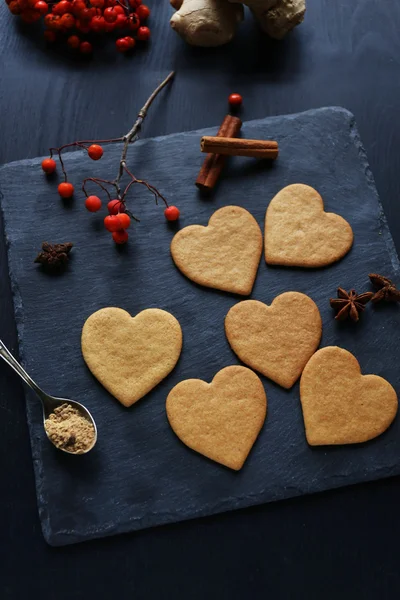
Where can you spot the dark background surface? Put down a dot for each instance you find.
(338, 544)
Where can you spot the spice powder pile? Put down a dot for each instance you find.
(69, 430)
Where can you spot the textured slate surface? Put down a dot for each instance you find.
(140, 475)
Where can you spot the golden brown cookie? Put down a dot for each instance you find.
(224, 255)
(221, 419)
(341, 406)
(298, 233)
(276, 340)
(131, 355)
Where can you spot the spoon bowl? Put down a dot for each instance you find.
(50, 403)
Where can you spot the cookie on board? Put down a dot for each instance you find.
(221, 419)
(131, 355)
(224, 255)
(298, 233)
(340, 405)
(276, 340)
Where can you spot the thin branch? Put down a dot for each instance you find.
(97, 181)
(128, 212)
(131, 135)
(126, 8)
(61, 163)
(150, 187)
(83, 142)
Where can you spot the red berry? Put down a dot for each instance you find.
(15, 8)
(66, 190)
(172, 213)
(67, 21)
(52, 21)
(73, 41)
(95, 152)
(97, 24)
(86, 48)
(133, 22)
(49, 36)
(87, 14)
(77, 7)
(115, 207)
(143, 34)
(62, 8)
(110, 15)
(143, 12)
(122, 44)
(42, 7)
(135, 3)
(121, 21)
(49, 165)
(120, 237)
(235, 99)
(93, 203)
(119, 10)
(111, 223)
(97, 3)
(124, 220)
(130, 41)
(56, 23)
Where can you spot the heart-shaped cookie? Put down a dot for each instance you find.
(221, 419)
(298, 233)
(275, 340)
(131, 355)
(341, 406)
(224, 255)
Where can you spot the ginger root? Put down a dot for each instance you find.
(214, 22)
(281, 18)
(206, 22)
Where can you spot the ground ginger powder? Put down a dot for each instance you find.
(69, 429)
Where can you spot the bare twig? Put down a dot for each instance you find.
(98, 182)
(131, 135)
(150, 187)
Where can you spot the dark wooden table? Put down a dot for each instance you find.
(340, 544)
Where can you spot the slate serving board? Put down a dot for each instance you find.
(140, 474)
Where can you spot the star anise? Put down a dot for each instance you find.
(386, 289)
(350, 304)
(54, 256)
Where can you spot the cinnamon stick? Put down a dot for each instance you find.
(213, 163)
(239, 147)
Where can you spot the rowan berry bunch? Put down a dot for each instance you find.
(71, 20)
(119, 218)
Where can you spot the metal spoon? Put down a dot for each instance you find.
(49, 403)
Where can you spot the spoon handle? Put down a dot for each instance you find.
(6, 355)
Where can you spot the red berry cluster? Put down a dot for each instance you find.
(119, 218)
(117, 222)
(74, 18)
